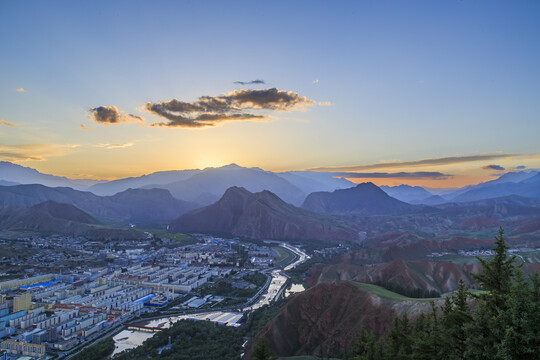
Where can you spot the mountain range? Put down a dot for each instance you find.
(62, 219)
(202, 187)
(206, 186)
(139, 206)
(522, 183)
(363, 199)
(13, 174)
(261, 215)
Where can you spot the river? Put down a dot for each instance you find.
(129, 339)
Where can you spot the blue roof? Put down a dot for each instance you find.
(146, 298)
(43, 284)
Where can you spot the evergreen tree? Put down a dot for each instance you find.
(426, 339)
(521, 339)
(490, 320)
(262, 351)
(455, 317)
(496, 276)
(367, 347)
(505, 324)
(399, 344)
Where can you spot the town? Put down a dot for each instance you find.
(68, 291)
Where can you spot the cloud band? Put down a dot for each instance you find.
(235, 105)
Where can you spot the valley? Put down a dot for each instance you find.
(360, 258)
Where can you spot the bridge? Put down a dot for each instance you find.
(142, 328)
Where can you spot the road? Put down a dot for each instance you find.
(273, 288)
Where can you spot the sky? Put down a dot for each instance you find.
(431, 93)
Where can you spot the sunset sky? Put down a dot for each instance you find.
(433, 93)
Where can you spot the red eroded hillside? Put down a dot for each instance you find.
(417, 274)
(531, 226)
(478, 223)
(327, 319)
(410, 246)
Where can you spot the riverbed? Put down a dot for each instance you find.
(129, 339)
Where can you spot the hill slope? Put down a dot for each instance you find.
(154, 206)
(364, 199)
(47, 216)
(327, 319)
(261, 215)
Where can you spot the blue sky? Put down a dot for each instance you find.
(387, 81)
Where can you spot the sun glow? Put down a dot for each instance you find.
(206, 161)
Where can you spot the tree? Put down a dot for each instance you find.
(426, 342)
(262, 351)
(455, 317)
(367, 347)
(496, 276)
(521, 338)
(399, 339)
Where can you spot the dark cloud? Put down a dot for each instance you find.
(493, 167)
(435, 175)
(236, 105)
(109, 115)
(521, 167)
(252, 82)
(397, 164)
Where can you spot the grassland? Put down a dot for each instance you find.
(285, 256)
(382, 292)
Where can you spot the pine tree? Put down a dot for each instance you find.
(481, 340)
(456, 316)
(490, 320)
(521, 339)
(399, 343)
(426, 342)
(367, 347)
(262, 351)
(496, 276)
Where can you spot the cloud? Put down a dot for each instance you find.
(6, 123)
(20, 90)
(115, 146)
(33, 152)
(435, 175)
(252, 82)
(493, 167)
(109, 115)
(325, 103)
(398, 164)
(235, 105)
(84, 127)
(520, 167)
(13, 156)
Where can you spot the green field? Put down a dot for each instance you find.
(285, 256)
(382, 292)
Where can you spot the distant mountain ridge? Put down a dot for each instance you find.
(210, 184)
(151, 180)
(527, 187)
(363, 199)
(11, 174)
(261, 215)
(206, 186)
(407, 193)
(154, 206)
